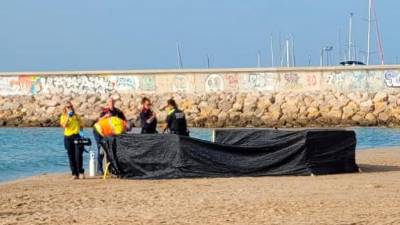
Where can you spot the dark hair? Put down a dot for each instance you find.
(172, 103)
(145, 99)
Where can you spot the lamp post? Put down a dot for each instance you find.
(326, 50)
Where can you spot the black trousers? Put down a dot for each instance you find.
(75, 155)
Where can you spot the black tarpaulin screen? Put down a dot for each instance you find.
(252, 153)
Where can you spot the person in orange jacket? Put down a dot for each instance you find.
(108, 111)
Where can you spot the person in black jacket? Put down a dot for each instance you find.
(108, 111)
(176, 119)
(148, 118)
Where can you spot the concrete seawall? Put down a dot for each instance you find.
(300, 97)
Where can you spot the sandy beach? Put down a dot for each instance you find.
(371, 197)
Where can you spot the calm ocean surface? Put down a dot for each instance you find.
(31, 151)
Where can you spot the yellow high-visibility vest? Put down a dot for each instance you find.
(72, 124)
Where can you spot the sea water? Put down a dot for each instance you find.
(32, 151)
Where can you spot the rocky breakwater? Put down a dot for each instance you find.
(307, 109)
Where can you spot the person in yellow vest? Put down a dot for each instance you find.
(72, 126)
(176, 119)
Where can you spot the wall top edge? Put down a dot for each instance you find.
(214, 70)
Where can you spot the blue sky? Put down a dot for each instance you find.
(43, 35)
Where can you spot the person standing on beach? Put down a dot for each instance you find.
(176, 119)
(148, 118)
(108, 111)
(72, 126)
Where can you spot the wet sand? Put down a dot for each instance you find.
(370, 197)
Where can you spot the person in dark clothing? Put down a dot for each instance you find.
(176, 119)
(108, 111)
(111, 110)
(148, 118)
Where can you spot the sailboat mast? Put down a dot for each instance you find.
(281, 50)
(340, 45)
(272, 50)
(350, 36)
(381, 54)
(178, 56)
(292, 50)
(287, 53)
(369, 31)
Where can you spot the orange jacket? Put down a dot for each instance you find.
(110, 126)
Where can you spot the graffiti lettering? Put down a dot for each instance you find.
(26, 84)
(261, 81)
(149, 83)
(392, 79)
(358, 80)
(336, 80)
(214, 83)
(291, 78)
(77, 84)
(5, 86)
(311, 80)
(179, 84)
(124, 83)
(232, 81)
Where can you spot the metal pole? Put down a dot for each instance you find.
(272, 50)
(381, 54)
(369, 31)
(287, 53)
(327, 58)
(258, 59)
(355, 53)
(350, 36)
(293, 55)
(178, 55)
(208, 61)
(340, 45)
(321, 59)
(281, 50)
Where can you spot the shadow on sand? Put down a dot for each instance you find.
(367, 168)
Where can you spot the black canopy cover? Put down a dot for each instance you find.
(245, 152)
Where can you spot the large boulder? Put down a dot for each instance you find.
(225, 105)
(349, 110)
(335, 115)
(263, 103)
(52, 103)
(250, 103)
(313, 113)
(383, 118)
(10, 106)
(367, 106)
(380, 97)
(370, 119)
(380, 107)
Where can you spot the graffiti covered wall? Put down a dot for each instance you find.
(199, 81)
